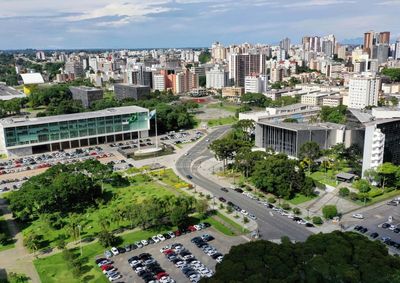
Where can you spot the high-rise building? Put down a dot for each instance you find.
(364, 91)
(217, 77)
(124, 91)
(382, 53)
(384, 37)
(74, 68)
(342, 52)
(218, 52)
(285, 44)
(369, 41)
(40, 55)
(87, 95)
(327, 48)
(242, 65)
(397, 50)
(159, 82)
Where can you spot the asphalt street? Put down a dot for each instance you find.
(272, 226)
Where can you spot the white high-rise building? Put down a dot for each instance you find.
(364, 91)
(255, 84)
(159, 82)
(397, 50)
(374, 148)
(217, 77)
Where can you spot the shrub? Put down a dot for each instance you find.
(229, 209)
(344, 192)
(272, 200)
(286, 206)
(329, 211)
(107, 239)
(317, 220)
(375, 193)
(296, 211)
(245, 220)
(353, 196)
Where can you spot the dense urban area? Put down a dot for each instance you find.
(237, 163)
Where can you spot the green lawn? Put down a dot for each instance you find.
(141, 189)
(232, 223)
(299, 198)
(168, 177)
(222, 121)
(227, 107)
(385, 196)
(324, 178)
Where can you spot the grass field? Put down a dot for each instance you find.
(299, 198)
(232, 223)
(222, 121)
(324, 178)
(141, 189)
(168, 177)
(227, 107)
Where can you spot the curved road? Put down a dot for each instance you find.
(272, 225)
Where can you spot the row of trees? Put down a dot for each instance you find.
(333, 114)
(260, 100)
(334, 257)
(62, 189)
(7, 69)
(392, 73)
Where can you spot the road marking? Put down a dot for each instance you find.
(270, 213)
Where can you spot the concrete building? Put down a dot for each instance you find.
(31, 81)
(217, 77)
(87, 95)
(26, 136)
(332, 101)
(289, 137)
(232, 93)
(314, 98)
(364, 91)
(242, 65)
(255, 84)
(74, 68)
(284, 44)
(159, 82)
(8, 93)
(397, 49)
(123, 91)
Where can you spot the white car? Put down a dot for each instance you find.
(171, 234)
(290, 216)
(219, 259)
(144, 242)
(358, 216)
(244, 212)
(139, 245)
(197, 227)
(115, 277)
(392, 227)
(155, 239)
(139, 269)
(302, 222)
(161, 237)
(284, 213)
(115, 251)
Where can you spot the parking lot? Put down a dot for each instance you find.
(221, 242)
(373, 220)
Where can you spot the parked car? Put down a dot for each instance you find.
(358, 216)
(374, 235)
(115, 251)
(224, 190)
(221, 199)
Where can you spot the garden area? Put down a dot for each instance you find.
(222, 121)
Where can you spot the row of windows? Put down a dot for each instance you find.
(74, 129)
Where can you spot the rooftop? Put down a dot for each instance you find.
(87, 88)
(302, 126)
(32, 78)
(7, 92)
(23, 121)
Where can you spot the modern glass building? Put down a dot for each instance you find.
(24, 136)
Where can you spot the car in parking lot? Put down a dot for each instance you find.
(374, 235)
(161, 237)
(115, 251)
(155, 239)
(224, 190)
(239, 190)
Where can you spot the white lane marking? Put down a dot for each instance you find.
(270, 213)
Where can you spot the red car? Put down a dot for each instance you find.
(177, 233)
(161, 274)
(191, 228)
(167, 252)
(106, 267)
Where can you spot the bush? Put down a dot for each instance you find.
(375, 193)
(272, 200)
(344, 192)
(285, 206)
(353, 196)
(317, 220)
(107, 239)
(296, 211)
(329, 211)
(3, 239)
(245, 220)
(229, 209)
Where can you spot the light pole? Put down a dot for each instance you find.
(80, 239)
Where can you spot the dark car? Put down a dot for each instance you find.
(121, 250)
(363, 230)
(217, 255)
(374, 235)
(189, 177)
(308, 224)
(224, 190)
(150, 240)
(230, 203)
(238, 190)
(100, 260)
(396, 230)
(385, 225)
(358, 227)
(221, 199)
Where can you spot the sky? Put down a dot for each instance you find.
(69, 24)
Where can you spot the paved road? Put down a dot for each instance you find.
(271, 225)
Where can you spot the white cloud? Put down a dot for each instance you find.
(316, 3)
(389, 3)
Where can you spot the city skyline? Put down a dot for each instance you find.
(46, 24)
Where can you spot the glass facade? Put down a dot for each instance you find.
(74, 129)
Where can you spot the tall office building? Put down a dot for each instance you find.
(285, 44)
(159, 82)
(369, 41)
(328, 48)
(75, 68)
(364, 91)
(384, 37)
(397, 50)
(382, 53)
(217, 77)
(255, 84)
(242, 65)
(218, 51)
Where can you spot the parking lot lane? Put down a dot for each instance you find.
(221, 242)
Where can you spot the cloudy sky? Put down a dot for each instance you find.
(48, 24)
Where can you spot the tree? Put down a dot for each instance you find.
(344, 192)
(362, 186)
(32, 241)
(309, 152)
(205, 57)
(329, 211)
(3, 239)
(317, 220)
(18, 278)
(106, 238)
(387, 171)
(334, 114)
(392, 73)
(328, 258)
(202, 207)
